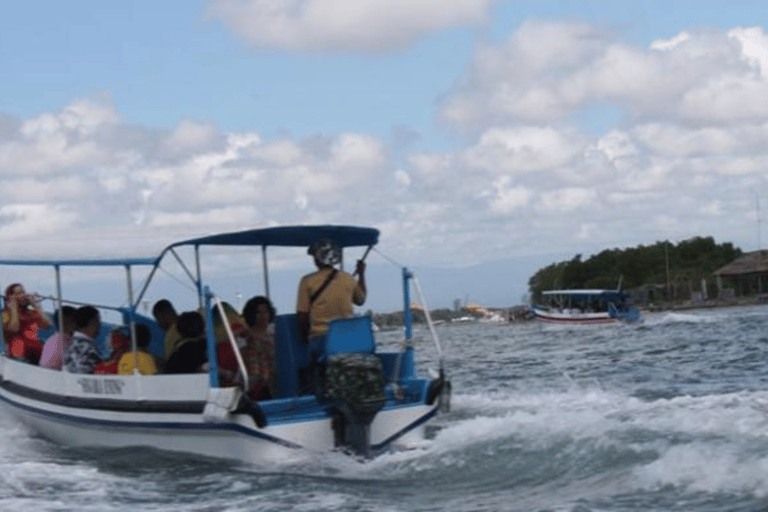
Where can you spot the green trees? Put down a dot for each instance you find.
(662, 263)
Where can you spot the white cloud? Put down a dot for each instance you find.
(669, 44)
(685, 161)
(617, 146)
(547, 72)
(344, 25)
(678, 141)
(568, 200)
(75, 169)
(402, 178)
(190, 135)
(507, 197)
(754, 47)
(21, 219)
(222, 216)
(83, 117)
(357, 153)
(726, 99)
(515, 150)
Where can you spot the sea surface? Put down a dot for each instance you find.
(669, 415)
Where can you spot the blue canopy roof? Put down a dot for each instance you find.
(75, 262)
(291, 236)
(286, 236)
(586, 293)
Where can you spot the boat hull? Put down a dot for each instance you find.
(95, 415)
(568, 318)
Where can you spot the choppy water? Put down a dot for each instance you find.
(671, 415)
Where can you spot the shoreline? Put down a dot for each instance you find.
(761, 300)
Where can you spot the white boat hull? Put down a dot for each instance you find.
(29, 393)
(571, 318)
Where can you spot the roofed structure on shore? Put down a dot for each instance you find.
(748, 263)
(748, 272)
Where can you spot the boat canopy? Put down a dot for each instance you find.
(291, 236)
(285, 236)
(82, 262)
(586, 292)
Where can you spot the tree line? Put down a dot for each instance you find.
(663, 263)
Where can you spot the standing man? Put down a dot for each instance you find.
(326, 294)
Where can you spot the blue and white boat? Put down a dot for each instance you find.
(193, 412)
(585, 307)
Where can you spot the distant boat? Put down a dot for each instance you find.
(486, 315)
(591, 306)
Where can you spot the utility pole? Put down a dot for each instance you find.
(666, 258)
(757, 209)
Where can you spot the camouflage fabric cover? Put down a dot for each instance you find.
(354, 377)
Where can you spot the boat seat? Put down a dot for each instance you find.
(350, 335)
(290, 355)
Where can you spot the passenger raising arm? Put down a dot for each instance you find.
(22, 319)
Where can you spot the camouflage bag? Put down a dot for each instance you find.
(355, 378)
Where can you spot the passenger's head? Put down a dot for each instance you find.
(11, 289)
(190, 325)
(68, 314)
(87, 320)
(143, 336)
(326, 252)
(164, 313)
(120, 341)
(256, 308)
(16, 290)
(228, 310)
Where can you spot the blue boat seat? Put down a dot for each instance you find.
(291, 354)
(350, 335)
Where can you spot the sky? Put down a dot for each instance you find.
(485, 139)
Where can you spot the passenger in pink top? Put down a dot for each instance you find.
(53, 349)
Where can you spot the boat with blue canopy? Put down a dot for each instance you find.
(585, 306)
(196, 412)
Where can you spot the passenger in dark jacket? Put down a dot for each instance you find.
(191, 352)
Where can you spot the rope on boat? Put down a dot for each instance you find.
(388, 258)
(182, 282)
(77, 303)
(431, 326)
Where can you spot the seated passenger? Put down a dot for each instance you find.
(22, 318)
(191, 351)
(259, 350)
(120, 342)
(165, 315)
(81, 356)
(225, 355)
(143, 362)
(53, 348)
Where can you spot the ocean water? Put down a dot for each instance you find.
(670, 415)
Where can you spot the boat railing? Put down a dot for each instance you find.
(230, 338)
(407, 344)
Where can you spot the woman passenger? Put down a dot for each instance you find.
(259, 350)
(22, 319)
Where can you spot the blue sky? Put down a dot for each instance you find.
(476, 134)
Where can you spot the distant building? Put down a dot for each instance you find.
(746, 275)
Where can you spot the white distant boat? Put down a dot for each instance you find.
(486, 315)
(195, 413)
(588, 306)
